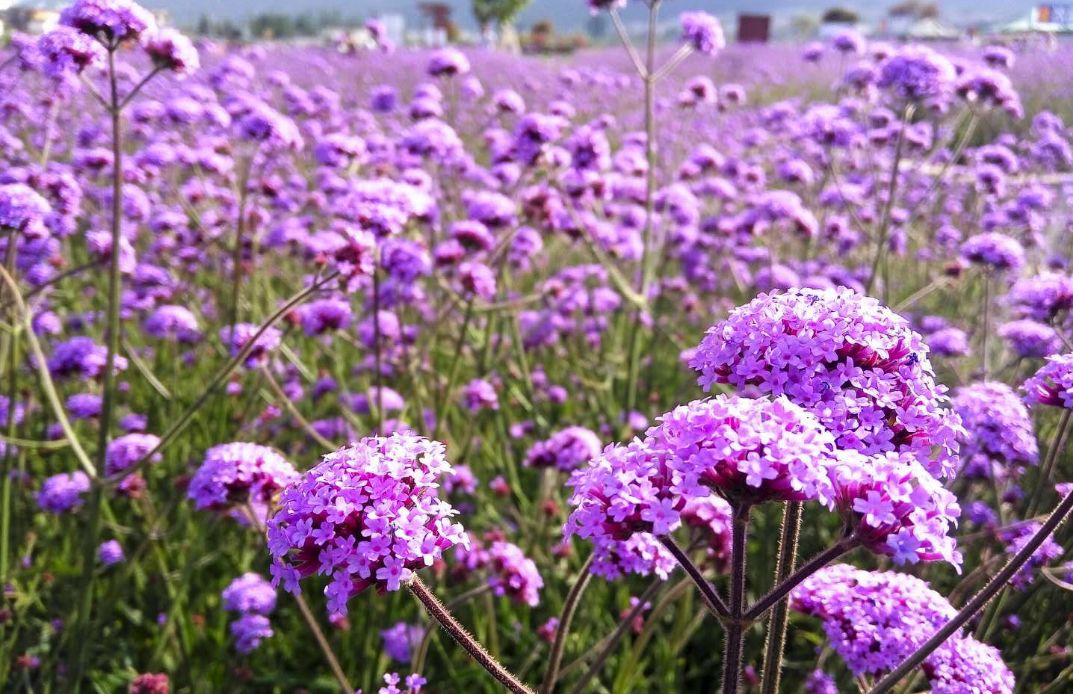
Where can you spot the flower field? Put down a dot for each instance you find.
(669, 367)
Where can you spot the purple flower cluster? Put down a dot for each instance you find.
(874, 620)
(114, 20)
(565, 450)
(23, 210)
(897, 508)
(917, 73)
(747, 450)
(110, 553)
(401, 640)
(1052, 384)
(63, 492)
(254, 599)
(703, 32)
(998, 429)
(125, 451)
(1016, 538)
(513, 574)
(854, 364)
(367, 514)
(171, 50)
(233, 474)
(244, 332)
(994, 251)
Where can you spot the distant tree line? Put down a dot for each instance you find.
(275, 25)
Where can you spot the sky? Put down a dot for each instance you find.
(572, 14)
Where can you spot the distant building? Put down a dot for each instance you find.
(754, 28)
(1042, 19)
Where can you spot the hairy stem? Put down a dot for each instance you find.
(784, 567)
(761, 606)
(708, 593)
(734, 654)
(476, 651)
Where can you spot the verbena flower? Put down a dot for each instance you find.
(23, 210)
(565, 450)
(367, 514)
(1016, 538)
(249, 593)
(998, 428)
(1052, 384)
(874, 620)
(171, 50)
(513, 574)
(994, 251)
(115, 20)
(448, 62)
(1030, 339)
(401, 640)
(124, 451)
(63, 492)
(266, 342)
(896, 507)
(110, 553)
(917, 73)
(854, 364)
(748, 450)
(703, 32)
(233, 474)
(249, 630)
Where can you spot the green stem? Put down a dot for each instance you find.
(776, 633)
(566, 617)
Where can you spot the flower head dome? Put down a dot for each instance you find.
(367, 515)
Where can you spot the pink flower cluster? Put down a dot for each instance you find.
(873, 620)
(853, 363)
(236, 473)
(366, 515)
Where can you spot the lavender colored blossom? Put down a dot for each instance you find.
(703, 32)
(23, 210)
(113, 20)
(513, 574)
(81, 356)
(67, 52)
(998, 428)
(401, 640)
(747, 450)
(266, 342)
(110, 553)
(1016, 538)
(367, 514)
(127, 450)
(233, 474)
(917, 73)
(249, 630)
(1030, 339)
(448, 62)
(479, 395)
(172, 322)
(1052, 384)
(565, 450)
(63, 492)
(249, 594)
(994, 251)
(873, 620)
(854, 364)
(171, 50)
